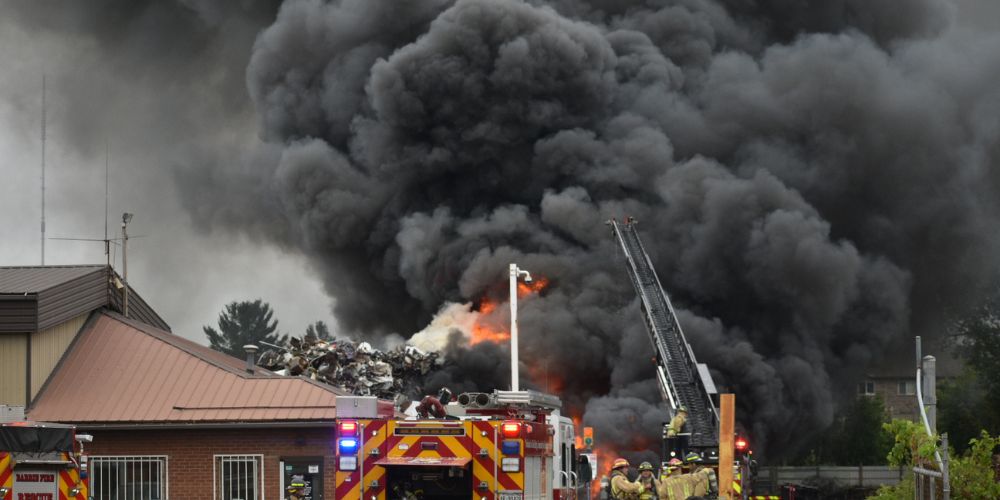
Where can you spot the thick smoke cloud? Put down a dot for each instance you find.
(814, 181)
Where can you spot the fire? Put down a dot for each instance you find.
(525, 289)
(483, 333)
(488, 327)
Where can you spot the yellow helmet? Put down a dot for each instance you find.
(618, 463)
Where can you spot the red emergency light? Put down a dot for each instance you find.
(511, 429)
(349, 428)
(741, 444)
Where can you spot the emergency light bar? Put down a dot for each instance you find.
(511, 429)
(348, 446)
(349, 428)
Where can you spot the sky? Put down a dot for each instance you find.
(100, 101)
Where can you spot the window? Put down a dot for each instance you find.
(866, 388)
(128, 477)
(907, 388)
(239, 477)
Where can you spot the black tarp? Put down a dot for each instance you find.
(36, 437)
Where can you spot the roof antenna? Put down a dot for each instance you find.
(43, 168)
(107, 195)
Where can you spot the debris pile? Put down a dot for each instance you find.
(397, 374)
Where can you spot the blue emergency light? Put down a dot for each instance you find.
(510, 447)
(348, 446)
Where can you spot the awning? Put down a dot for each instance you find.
(425, 461)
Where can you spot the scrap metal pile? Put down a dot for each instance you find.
(360, 369)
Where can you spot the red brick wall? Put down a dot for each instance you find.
(191, 453)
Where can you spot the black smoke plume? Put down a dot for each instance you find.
(816, 181)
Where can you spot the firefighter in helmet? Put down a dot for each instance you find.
(692, 462)
(294, 491)
(672, 469)
(621, 487)
(648, 481)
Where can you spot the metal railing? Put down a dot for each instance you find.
(128, 477)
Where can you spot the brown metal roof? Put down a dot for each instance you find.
(34, 279)
(39, 297)
(125, 372)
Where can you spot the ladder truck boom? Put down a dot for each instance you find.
(682, 380)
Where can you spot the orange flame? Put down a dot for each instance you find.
(488, 329)
(524, 289)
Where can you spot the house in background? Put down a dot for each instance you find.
(894, 381)
(170, 418)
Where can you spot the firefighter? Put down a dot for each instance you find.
(621, 487)
(675, 429)
(648, 481)
(692, 462)
(293, 492)
(672, 469)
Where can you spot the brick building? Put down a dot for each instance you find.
(895, 382)
(172, 418)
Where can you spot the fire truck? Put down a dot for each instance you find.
(504, 445)
(42, 461)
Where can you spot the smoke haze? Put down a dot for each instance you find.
(815, 181)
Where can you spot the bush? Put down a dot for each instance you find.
(971, 475)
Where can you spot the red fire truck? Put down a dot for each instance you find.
(42, 461)
(503, 445)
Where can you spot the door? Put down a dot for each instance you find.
(305, 474)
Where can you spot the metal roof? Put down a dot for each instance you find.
(29, 280)
(120, 371)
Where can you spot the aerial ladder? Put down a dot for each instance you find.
(682, 380)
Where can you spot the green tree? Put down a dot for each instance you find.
(856, 437)
(319, 330)
(971, 403)
(242, 323)
(862, 438)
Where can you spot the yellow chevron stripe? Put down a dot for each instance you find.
(355, 490)
(4, 465)
(480, 473)
(455, 446)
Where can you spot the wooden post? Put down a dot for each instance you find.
(727, 424)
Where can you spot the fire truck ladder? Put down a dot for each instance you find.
(677, 371)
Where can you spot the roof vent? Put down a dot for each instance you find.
(251, 350)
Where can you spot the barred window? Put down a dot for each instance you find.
(239, 477)
(128, 477)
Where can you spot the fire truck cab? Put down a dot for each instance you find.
(42, 461)
(503, 445)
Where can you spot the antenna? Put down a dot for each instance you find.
(107, 195)
(43, 169)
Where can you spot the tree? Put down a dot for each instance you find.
(319, 330)
(242, 323)
(856, 437)
(971, 403)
